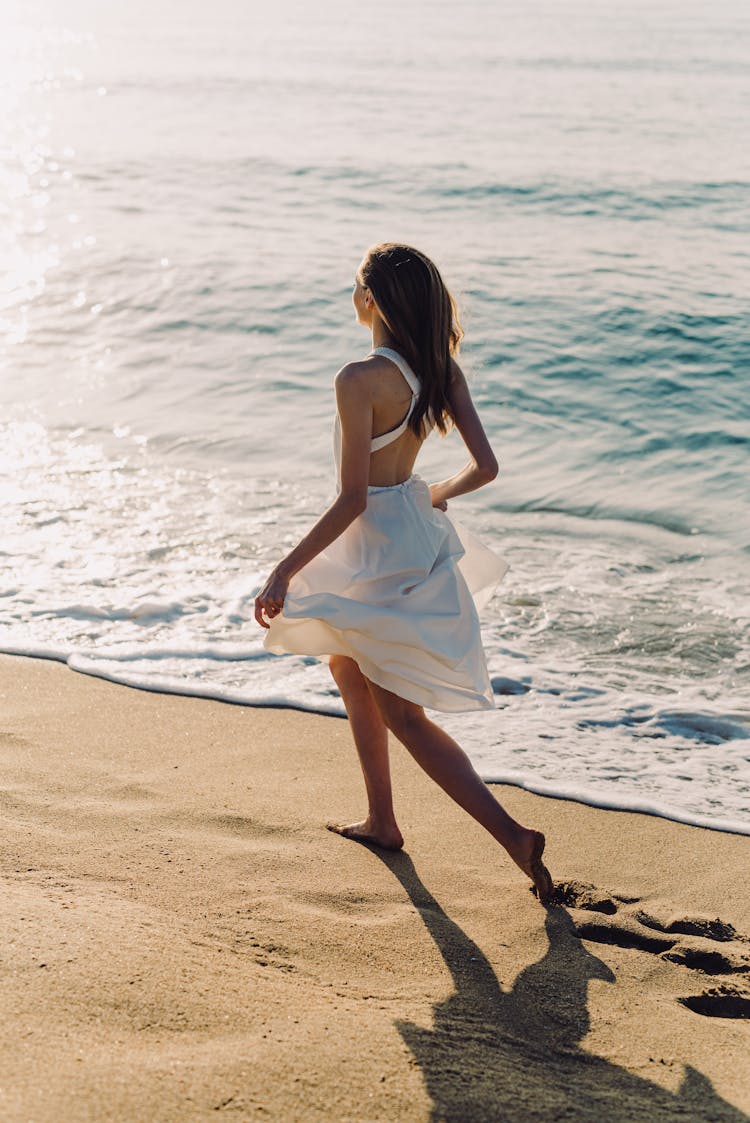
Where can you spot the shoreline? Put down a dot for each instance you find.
(547, 790)
(185, 937)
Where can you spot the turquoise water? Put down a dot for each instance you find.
(188, 193)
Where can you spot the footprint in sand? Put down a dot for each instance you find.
(620, 922)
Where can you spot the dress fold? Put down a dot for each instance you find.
(395, 592)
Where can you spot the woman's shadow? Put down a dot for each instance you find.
(515, 1055)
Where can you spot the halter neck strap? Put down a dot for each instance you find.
(403, 366)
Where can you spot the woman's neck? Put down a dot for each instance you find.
(381, 336)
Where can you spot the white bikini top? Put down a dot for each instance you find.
(392, 434)
(414, 385)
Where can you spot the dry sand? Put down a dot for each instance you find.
(183, 940)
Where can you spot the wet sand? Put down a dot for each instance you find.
(183, 939)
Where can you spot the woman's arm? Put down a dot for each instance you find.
(483, 465)
(355, 414)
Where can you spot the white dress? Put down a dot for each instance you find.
(395, 592)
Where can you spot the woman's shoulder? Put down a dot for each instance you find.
(361, 371)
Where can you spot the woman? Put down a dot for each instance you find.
(381, 584)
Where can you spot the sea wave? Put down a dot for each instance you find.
(178, 301)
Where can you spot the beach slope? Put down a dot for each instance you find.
(183, 939)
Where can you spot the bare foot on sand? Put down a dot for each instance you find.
(387, 838)
(529, 858)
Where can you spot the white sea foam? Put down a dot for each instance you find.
(574, 779)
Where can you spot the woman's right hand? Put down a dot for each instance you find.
(270, 599)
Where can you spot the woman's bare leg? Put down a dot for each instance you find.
(448, 765)
(371, 739)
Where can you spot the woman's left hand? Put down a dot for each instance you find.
(270, 599)
(437, 501)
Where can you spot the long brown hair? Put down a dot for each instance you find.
(422, 316)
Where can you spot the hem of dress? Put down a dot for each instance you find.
(480, 702)
(372, 671)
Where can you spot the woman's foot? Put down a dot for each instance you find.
(528, 857)
(387, 838)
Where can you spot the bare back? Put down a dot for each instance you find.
(391, 400)
(382, 450)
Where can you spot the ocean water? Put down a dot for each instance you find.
(186, 193)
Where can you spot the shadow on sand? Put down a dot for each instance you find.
(514, 1056)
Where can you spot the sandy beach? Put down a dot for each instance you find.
(183, 939)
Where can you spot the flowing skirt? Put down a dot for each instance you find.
(395, 592)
